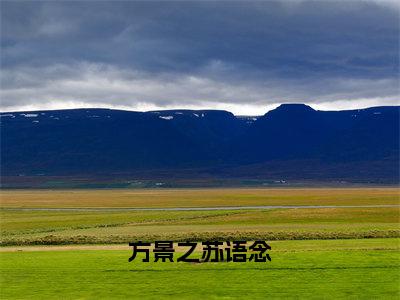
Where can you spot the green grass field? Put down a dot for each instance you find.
(333, 269)
(60, 227)
(331, 253)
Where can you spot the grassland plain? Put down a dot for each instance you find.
(198, 197)
(97, 227)
(338, 252)
(330, 269)
(27, 227)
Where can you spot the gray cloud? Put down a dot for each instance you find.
(243, 56)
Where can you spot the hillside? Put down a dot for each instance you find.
(292, 141)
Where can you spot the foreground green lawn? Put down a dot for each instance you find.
(334, 269)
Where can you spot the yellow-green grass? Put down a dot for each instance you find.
(334, 269)
(325, 261)
(19, 227)
(80, 227)
(199, 197)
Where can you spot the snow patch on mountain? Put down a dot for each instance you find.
(166, 117)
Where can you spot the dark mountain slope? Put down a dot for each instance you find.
(292, 141)
(296, 131)
(363, 135)
(208, 128)
(92, 140)
(287, 132)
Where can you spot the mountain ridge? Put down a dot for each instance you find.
(92, 141)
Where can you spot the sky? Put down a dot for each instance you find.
(246, 57)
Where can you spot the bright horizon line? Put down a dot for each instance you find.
(267, 108)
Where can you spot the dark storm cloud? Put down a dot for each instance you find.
(198, 53)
